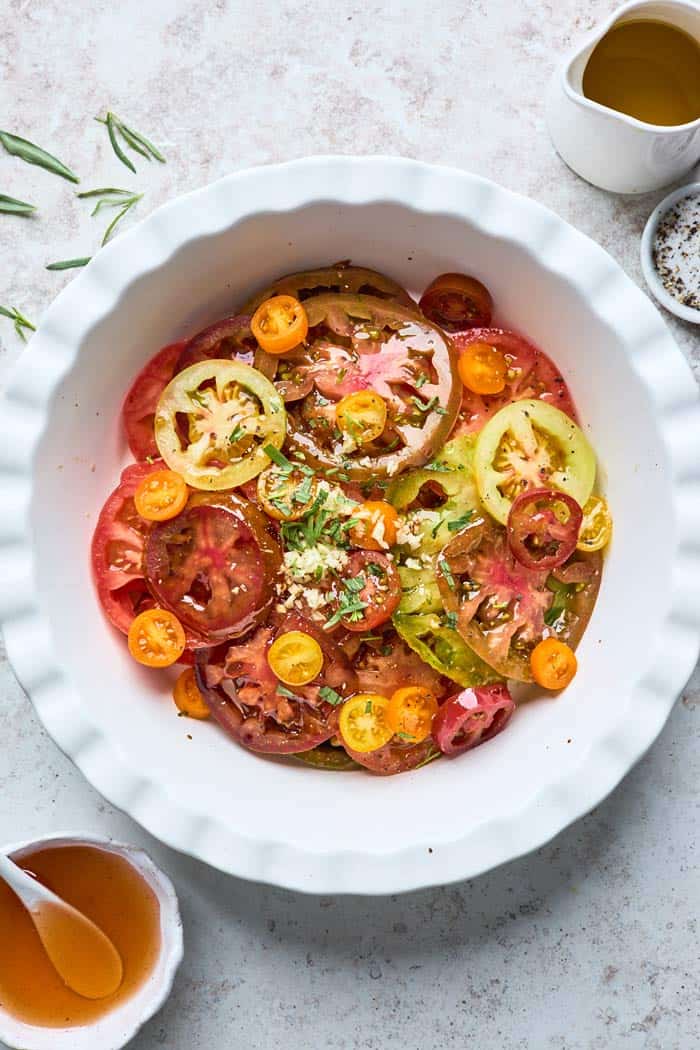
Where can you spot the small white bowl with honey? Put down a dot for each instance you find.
(131, 900)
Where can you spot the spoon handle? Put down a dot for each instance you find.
(27, 889)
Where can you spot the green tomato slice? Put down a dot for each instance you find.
(213, 421)
(531, 444)
(443, 649)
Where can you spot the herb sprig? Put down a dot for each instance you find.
(30, 153)
(20, 321)
(118, 130)
(111, 197)
(69, 264)
(11, 206)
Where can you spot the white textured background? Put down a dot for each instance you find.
(591, 942)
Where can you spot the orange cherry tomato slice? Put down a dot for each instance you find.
(363, 722)
(457, 302)
(553, 664)
(376, 530)
(156, 638)
(362, 415)
(483, 369)
(187, 697)
(161, 495)
(295, 657)
(410, 713)
(279, 324)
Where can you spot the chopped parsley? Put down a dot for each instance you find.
(459, 523)
(330, 696)
(447, 573)
(303, 493)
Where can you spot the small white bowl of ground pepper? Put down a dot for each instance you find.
(671, 252)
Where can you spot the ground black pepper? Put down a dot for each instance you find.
(676, 251)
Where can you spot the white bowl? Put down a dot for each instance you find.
(118, 1027)
(651, 276)
(284, 823)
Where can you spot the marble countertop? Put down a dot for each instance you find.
(591, 942)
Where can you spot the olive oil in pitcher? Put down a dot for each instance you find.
(647, 69)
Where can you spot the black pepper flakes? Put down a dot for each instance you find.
(676, 251)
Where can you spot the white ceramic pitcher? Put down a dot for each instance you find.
(610, 149)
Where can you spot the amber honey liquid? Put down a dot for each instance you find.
(111, 892)
(647, 69)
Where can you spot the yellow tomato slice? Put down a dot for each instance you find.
(156, 638)
(553, 664)
(596, 527)
(287, 494)
(188, 698)
(363, 722)
(161, 496)
(410, 713)
(483, 369)
(279, 324)
(362, 416)
(376, 530)
(296, 658)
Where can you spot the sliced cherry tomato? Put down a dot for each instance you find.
(368, 593)
(472, 717)
(140, 404)
(341, 278)
(483, 369)
(156, 638)
(188, 698)
(410, 713)
(530, 374)
(363, 722)
(596, 529)
(553, 664)
(295, 657)
(362, 416)
(361, 345)
(543, 528)
(279, 324)
(214, 565)
(286, 493)
(213, 422)
(529, 445)
(376, 528)
(161, 495)
(246, 698)
(456, 302)
(503, 609)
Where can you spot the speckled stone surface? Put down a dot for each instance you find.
(592, 941)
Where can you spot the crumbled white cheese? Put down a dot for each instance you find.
(413, 563)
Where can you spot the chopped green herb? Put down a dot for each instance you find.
(236, 434)
(368, 707)
(330, 696)
(386, 650)
(111, 197)
(459, 523)
(421, 380)
(424, 406)
(283, 691)
(303, 493)
(133, 139)
(430, 757)
(451, 620)
(11, 206)
(69, 264)
(355, 584)
(439, 468)
(447, 573)
(20, 321)
(278, 458)
(405, 736)
(374, 569)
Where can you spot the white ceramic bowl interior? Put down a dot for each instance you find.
(192, 262)
(117, 1028)
(651, 276)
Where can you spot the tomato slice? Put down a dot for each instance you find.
(396, 756)
(411, 712)
(341, 278)
(280, 324)
(457, 302)
(156, 638)
(161, 495)
(483, 369)
(296, 658)
(258, 711)
(472, 717)
(402, 366)
(543, 528)
(118, 551)
(214, 565)
(553, 664)
(529, 445)
(385, 663)
(139, 408)
(530, 374)
(229, 339)
(213, 422)
(502, 609)
(368, 593)
(376, 525)
(288, 492)
(188, 699)
(596, 528)
(364, 724)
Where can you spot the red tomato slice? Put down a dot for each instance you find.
(531, 374)
(543, 528)
(370, 590)
(214, 565)
(472, 717)
(140, 403)
(228, 339)
(394, 757)
(259, 712)
(117, 551)
(385, 665)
